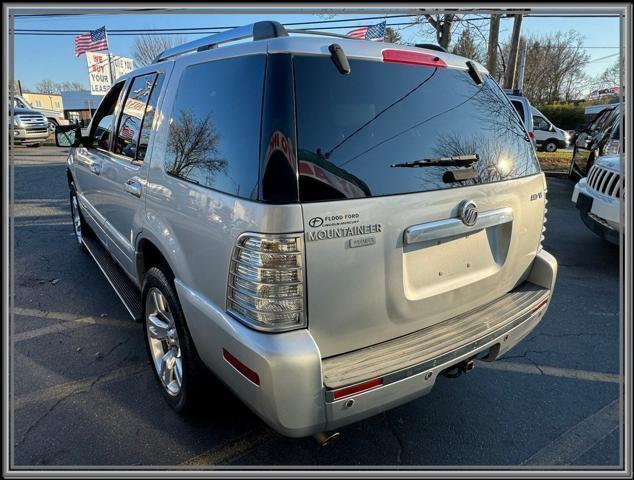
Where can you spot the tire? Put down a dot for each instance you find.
(79, 224)
(165, 332)
(550, 146)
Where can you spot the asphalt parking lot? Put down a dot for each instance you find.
(83, 392)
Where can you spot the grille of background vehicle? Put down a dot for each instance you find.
(604, 181)
(33, 122)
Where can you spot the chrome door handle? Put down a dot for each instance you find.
(133, 187)
(95, 168)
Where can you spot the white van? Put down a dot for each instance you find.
(548, 137)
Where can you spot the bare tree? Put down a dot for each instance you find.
(554, 66)
(148, 47)
(442, 25)
(392, 36)
(611, 76)
(70, 86)
(47, 86)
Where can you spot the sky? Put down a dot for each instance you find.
(51, 57)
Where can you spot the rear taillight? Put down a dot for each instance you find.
(266, 282)
(531, 134)
(414, 58)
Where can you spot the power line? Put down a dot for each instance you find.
(312, 22)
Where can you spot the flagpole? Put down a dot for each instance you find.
(109, 59)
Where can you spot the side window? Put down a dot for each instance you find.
(132, 115)
(520, 108)
(214, 134)
(103, 121)
(148, 120)
(540, 123)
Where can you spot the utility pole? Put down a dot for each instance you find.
(511, 65)
(522, 66)
(492, 53)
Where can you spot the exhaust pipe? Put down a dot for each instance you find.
(324, 438)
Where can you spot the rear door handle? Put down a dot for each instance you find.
(454, 226)
(95, 168)
(133, 187)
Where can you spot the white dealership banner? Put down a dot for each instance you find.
(121, 65)
(101, 65)
(98, 72)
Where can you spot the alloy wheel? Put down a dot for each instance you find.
(163, 341)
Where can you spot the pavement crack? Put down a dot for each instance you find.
(40, 419)
(395, 434)
(121, 343)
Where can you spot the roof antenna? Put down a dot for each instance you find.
(339, 58)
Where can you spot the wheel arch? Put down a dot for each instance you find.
(148, 255)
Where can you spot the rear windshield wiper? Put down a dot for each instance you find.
(458, 161)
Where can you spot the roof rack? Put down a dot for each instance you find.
(319, 32)
(258, 31)
(431, 46)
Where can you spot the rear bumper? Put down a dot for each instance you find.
(292, 396)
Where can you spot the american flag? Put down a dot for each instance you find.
(375, 33)
(127, 133)
(92, 41)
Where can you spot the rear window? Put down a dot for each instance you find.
(352, 128)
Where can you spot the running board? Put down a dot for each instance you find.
(123, 286)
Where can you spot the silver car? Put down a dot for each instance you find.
(326, 224)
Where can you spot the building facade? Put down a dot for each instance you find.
(45, 101)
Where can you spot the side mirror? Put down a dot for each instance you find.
(69, 136)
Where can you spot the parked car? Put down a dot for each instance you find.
(524, 108)
(54, 117)
(592, 141)
(30, 127)
(325, 245)
(598, 198)
(548, 137)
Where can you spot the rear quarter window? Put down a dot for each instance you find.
(215, 125)
(353, 128)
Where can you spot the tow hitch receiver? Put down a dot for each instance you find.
(459, 369)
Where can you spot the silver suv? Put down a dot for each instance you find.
(326, 224)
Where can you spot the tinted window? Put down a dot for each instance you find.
(353, 128)
(215, 125)
(132, 115)
(519, 107)
(103, 121)
(148, 120)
